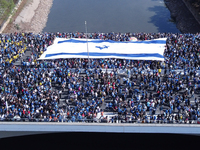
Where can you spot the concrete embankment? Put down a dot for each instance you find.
(184, 19)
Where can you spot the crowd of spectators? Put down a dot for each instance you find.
(148, 91)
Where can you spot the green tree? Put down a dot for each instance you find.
(7, 6)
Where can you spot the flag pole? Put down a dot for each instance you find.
(87, 44)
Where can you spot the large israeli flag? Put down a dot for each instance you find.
(77, 48)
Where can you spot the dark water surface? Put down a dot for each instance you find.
(110, 16)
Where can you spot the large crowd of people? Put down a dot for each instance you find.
(147, 91)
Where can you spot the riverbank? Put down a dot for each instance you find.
(33, 15)
(13, 7)
(194, 10)
(184, 19)
(32, 18)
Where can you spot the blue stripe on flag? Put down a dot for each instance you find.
(110, 41)
(107, 54)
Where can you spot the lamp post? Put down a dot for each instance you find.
(87, 44)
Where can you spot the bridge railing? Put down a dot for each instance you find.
(102, 120)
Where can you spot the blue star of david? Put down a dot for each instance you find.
(103, 47)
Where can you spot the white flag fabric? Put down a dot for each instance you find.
(77, 48)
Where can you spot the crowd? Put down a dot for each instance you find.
(149, 91)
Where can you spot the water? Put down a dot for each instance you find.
(110, 16)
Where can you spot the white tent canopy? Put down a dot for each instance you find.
(77, 48)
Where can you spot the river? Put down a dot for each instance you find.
(110, 16)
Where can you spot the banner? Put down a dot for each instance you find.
(77, 48)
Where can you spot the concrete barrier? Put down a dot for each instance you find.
(28, 128)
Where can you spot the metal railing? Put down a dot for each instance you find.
(103, 120)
